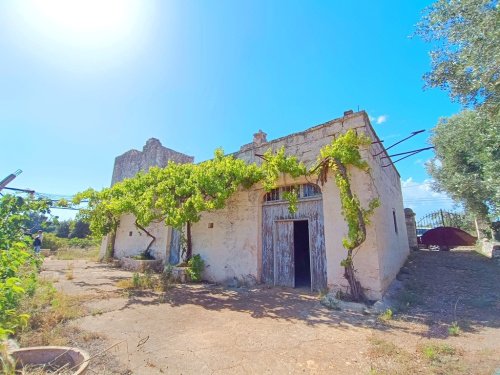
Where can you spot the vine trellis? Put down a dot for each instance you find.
(179, 193)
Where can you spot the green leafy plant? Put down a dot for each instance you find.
(195, 268)
(454, 329)
(434, 352)
(336, 157)
(18, 264)
(386, 315)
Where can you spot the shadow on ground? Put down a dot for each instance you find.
(459, 286)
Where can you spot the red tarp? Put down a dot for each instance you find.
(448, 236)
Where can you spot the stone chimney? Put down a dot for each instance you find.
(259, 138)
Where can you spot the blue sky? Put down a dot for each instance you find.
(82, 82)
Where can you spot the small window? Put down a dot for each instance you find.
(310, 190)
(395, 222)
(130, 234)
(273, 195)
(303, 191)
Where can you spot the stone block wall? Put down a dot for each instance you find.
(153, 153)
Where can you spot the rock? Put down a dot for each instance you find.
(404, 270)
(335, 304)
(231, 282)
(330, 302)
(402, 276)
(389, 300)
(249, 281)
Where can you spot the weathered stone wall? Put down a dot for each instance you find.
(411, 228)
(230, 240)
(391, 241)
(130, 240)
(153, 154)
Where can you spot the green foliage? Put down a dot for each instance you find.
(53, 242)
(80, 229)
(18, 270)
(454, 329)
(18, 265)
(14, 214)
(82, 243)
(195, 268)
(337, 156)
(63, 229)
(276, 163)
(386, 315)
(292, 196)
(465, 63)
(466, 165)
(434, 352)
(466, 50)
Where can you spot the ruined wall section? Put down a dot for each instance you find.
(153, 154)
(129, 239)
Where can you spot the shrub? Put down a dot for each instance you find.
(54, 243)
(83, 243)
(195, 267)
(18, 270)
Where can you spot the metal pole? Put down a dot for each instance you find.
(7, 180)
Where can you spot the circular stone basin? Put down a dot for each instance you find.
(57, 359)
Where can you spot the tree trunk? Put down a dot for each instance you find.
(357, 293)
(349, 271)
(153, 238)
(189, 243)
(110, 246)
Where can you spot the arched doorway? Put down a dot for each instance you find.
(293, 245)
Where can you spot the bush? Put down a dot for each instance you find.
(195, 267)
(18, 270)
(54, 243)
(83, 243)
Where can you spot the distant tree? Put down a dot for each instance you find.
(465, 62)
(467, 161)
(80, 230)
(14, 213)
(63, 229)
(36, 221)
(466, 54)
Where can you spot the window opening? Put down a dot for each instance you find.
(303, 191)
(395, 222)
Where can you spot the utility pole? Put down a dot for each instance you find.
(7, 180)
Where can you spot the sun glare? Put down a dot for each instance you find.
(90, 20)
(83, 30)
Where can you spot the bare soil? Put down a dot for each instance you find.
(209, 329)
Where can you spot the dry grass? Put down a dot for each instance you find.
(146, 281)
(49, 309)
(69, 272)
(92, 253)
(430, 358)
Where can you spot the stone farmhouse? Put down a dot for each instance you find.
(255, 238)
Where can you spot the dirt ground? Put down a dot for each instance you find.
(209, 329)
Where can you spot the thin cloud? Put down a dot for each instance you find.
(422, 199)
(381, 119)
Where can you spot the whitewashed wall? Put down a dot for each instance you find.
(230, 240)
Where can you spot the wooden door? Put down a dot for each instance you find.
(272, 214)
(284, 263)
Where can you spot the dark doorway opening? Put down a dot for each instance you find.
(301, 254)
